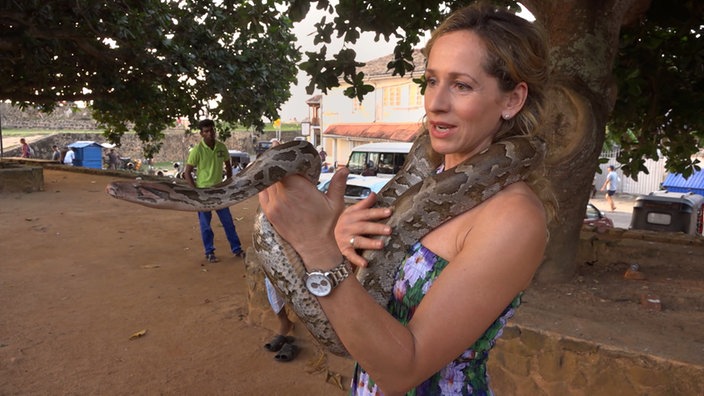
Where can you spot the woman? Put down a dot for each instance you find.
(486, 71)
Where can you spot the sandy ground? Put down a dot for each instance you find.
(82, 272)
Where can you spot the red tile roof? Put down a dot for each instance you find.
(402, 132)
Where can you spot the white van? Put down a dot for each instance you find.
(372, 166)
(378, 159)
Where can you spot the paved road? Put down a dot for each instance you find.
(624, 208)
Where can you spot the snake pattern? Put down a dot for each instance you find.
(421, 200)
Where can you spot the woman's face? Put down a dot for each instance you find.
(463, 104)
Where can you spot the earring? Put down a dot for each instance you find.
(506, 116)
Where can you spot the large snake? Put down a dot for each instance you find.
(421, 199)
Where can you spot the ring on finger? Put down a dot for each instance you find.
(352, 241)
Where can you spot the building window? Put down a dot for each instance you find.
(392, 96)
(415, 98)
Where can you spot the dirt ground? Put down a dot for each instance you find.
(82, 272)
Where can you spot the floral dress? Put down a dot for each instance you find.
(466, 375)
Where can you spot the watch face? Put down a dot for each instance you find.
(318, 284)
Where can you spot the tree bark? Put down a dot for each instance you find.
(583, 41)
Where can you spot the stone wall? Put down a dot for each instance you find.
(174, 149)
(21, 178)
(175, 145)
(66, 117)
(529, 361)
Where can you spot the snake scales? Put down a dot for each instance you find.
(422, 200)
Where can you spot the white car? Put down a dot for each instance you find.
(358, 187)
(324, 181)
(361, 187)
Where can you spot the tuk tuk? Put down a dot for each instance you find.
(669, 212)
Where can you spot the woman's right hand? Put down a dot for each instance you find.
(356, 227)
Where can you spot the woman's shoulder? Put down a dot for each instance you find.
(514, 213)
(516, 204)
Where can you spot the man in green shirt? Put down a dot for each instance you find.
(208, 159)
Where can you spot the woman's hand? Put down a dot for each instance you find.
(302, 215)
(356, 226)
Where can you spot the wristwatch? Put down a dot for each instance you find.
(321, 283)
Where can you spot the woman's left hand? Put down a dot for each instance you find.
(358, 227)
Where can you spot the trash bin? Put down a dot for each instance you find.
(669, 212)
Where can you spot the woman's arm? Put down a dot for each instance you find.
(495, 259)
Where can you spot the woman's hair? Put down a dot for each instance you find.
(516, 51)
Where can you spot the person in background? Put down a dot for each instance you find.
(113, 159)
(237, 167)
(208, 159)
(56, 153)
(486, 75)
(322, 153)
(26, 152)
(282, 343)
(369, 169)
(610, 185)
(69, 157)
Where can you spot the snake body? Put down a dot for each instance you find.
(421, 200)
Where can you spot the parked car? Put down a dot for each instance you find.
(324, 180)
(358, 187)
(262, 146)
(371, 167)
(239, 157)
(382, 159)
(594, 217)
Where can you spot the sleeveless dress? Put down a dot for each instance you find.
(466, 375)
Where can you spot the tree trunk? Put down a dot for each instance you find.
(583, 41)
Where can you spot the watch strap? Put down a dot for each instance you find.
(340, 273)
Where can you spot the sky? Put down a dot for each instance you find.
(366, 49)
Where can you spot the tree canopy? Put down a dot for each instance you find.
(141, 64)
(660, 75)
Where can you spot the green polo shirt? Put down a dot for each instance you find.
(208, 163)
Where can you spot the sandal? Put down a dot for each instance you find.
(277, 342)
(287, 353)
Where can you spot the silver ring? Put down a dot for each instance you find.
(352, 241)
